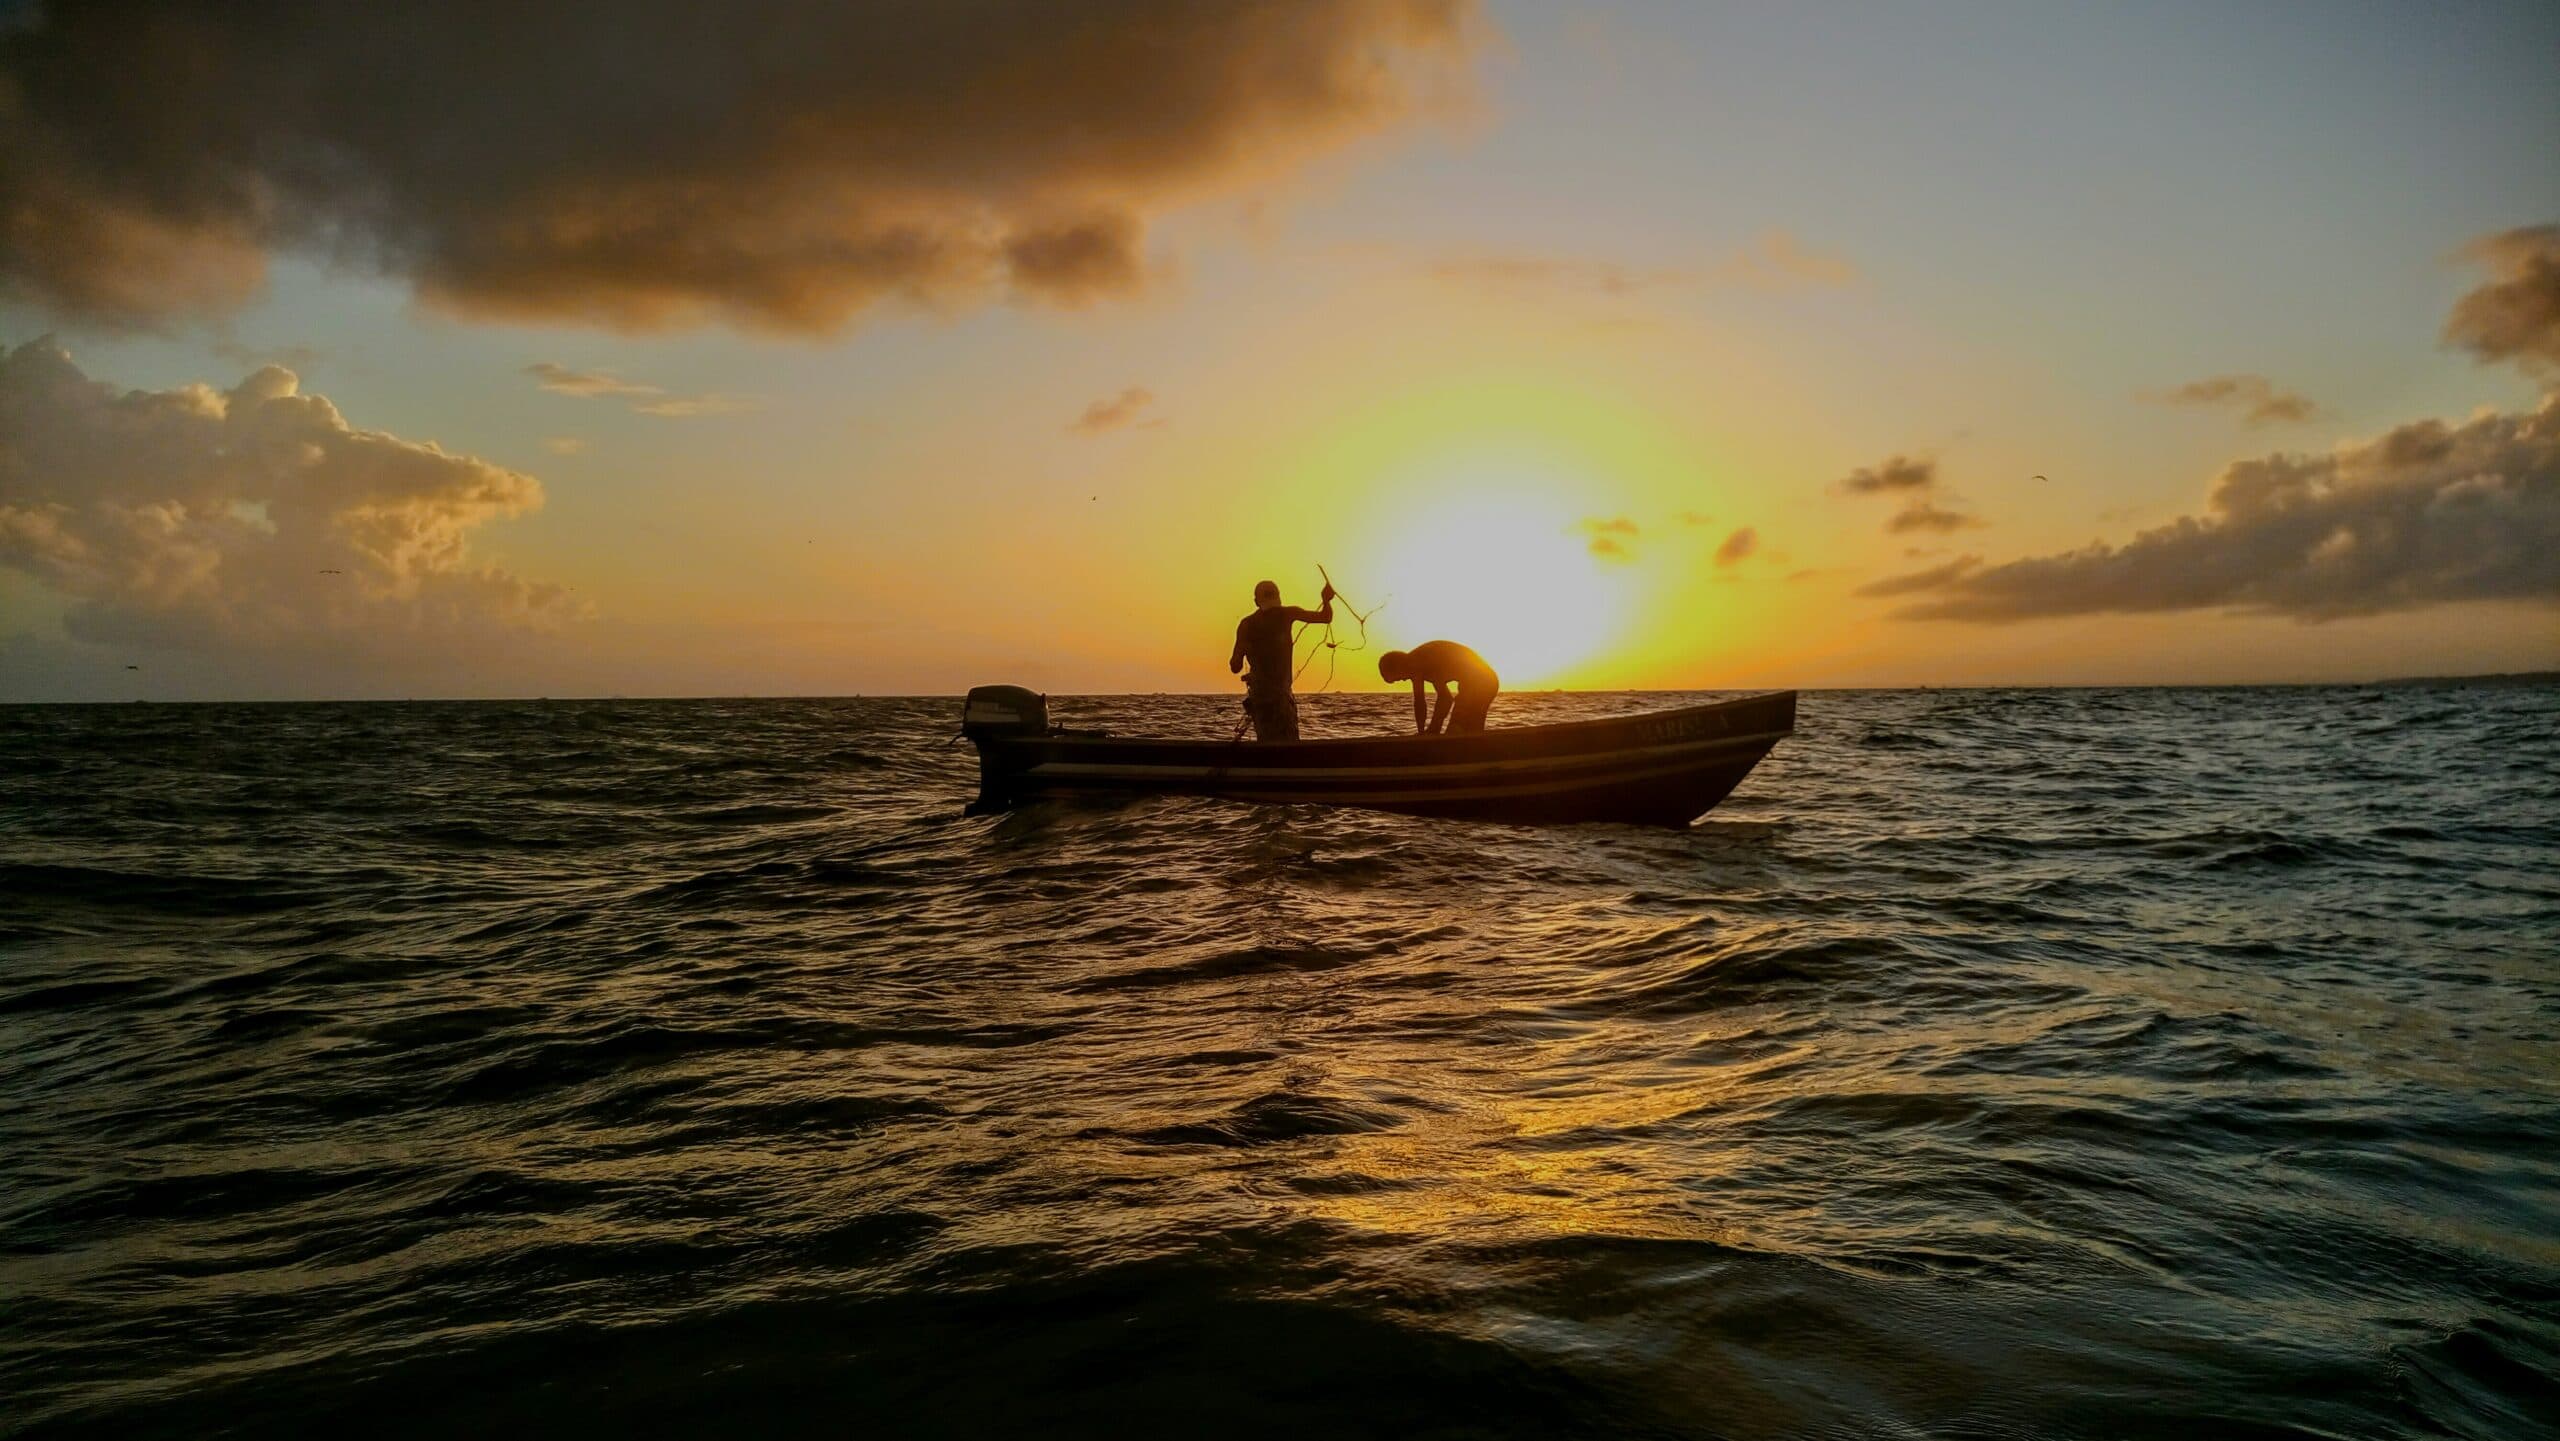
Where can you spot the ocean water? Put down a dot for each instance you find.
(2173, 1063)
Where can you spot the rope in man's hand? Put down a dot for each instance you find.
(1332, 646)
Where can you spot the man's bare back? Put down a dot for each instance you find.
(1442, 664)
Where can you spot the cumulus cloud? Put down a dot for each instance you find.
(643, 399)
(1113, 412)
(255, 516)
(2258, 399)
(1696, 517)
(2428, 513)
(1777, 260)
(1738, 547)
(2516, 316)
(778, 164)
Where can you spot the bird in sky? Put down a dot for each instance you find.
(333, 572)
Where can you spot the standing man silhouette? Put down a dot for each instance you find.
(1265, 639)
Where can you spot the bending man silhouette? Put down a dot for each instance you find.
(1264, 639)
(1444, 663)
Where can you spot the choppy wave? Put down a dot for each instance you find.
(2018, 1063)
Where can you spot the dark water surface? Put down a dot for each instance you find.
(2153, 1063)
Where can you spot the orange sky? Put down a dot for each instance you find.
(1617, 348)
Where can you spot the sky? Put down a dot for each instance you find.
(801, 348)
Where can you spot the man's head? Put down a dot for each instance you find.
(1266, 594)
(1394, 666)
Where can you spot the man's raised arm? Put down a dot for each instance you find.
(1315, 617)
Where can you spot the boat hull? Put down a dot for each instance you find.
(1658, 768)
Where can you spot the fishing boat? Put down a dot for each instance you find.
(1664, 767)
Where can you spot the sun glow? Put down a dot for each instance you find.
(1508, 572)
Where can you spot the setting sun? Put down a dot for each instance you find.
(1509, 573)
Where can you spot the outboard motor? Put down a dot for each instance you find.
(1004, 711)
(996, 719)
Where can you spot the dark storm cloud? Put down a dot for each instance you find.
(2429, 513)
(252, 517)
(2258, 399)
(2517, 316)
(780, 164)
